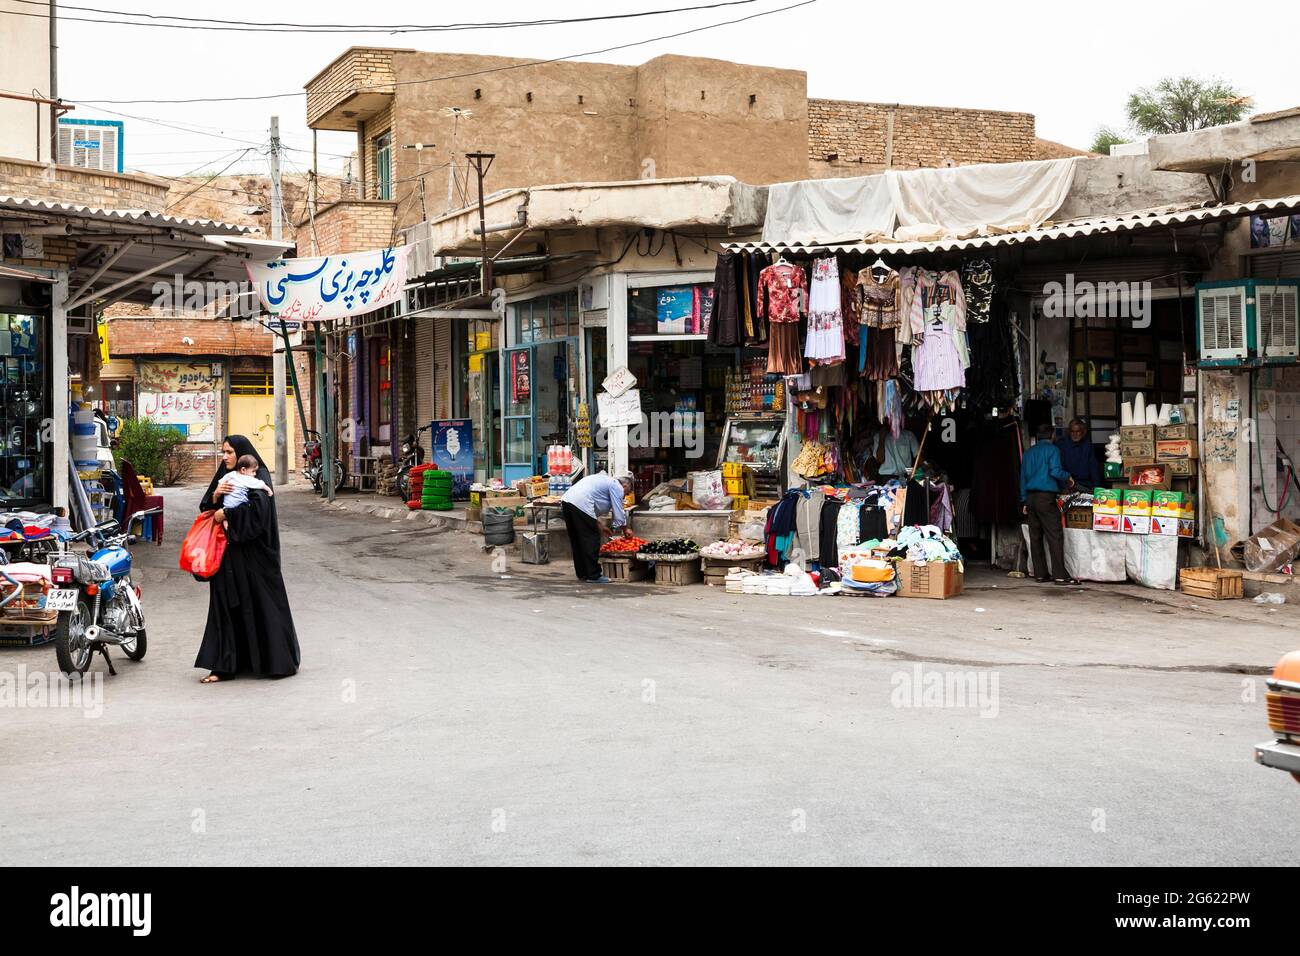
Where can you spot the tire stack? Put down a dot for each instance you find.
(435, 490)
(416, 479)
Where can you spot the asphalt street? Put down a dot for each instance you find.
(453, 710)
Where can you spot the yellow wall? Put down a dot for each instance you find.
(254, 416)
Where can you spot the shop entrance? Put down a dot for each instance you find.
(541, 404)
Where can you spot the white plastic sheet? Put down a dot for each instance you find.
(918, 204)
(1089, 555)
(963, 201)
(1152, 560)
(817, 211)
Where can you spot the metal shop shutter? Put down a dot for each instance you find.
(1275, 265)
(442, 368)
(423, 373)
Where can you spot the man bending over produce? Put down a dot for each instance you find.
(583, 507)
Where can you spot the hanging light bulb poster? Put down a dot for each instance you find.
(453, 451)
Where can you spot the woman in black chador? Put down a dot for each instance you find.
(250, 628)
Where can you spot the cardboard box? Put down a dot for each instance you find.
(1078, 518)
(1188, 509)
(1176, 449)
(732, 469)
(1137, 433)
(1107, 501)
(1137, 450)
(1137, 502)
(934, 579)
(1166, 527)
(1105, 522)
(1181, 467)
(1167, 504)
(734, 486)
(516, 504)
(1149, 475)
(1135, 524)
(1113, 469)
(1186, 528)
(1175, 432)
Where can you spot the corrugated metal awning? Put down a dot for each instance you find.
(1101, 225)
(141, 217)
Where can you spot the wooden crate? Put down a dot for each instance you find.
(1216, 584)
(625, 568)
(676, 573)
(715, 569)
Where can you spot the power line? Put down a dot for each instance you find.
(200, 131)
(457, 76)
(214, 176)
(253, 26)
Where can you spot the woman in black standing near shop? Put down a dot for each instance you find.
(250, 627)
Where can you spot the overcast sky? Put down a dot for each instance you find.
(1072, 65)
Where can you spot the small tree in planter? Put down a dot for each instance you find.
(157, 452)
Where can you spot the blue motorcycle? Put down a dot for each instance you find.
(97, 605)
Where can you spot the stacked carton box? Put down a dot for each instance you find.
(1107, 506)
(1135, 517)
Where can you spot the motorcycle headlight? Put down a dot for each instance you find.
(406, 449)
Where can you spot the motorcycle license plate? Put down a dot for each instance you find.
(61, 599)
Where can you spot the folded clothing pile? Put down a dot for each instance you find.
(925, 543)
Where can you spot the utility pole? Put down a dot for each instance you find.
(278, 368)
(54, 87)
(478, 160)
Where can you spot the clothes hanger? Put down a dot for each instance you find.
(781, 261)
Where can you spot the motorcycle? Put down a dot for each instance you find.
(412, 455)
(97, 604)
(314, 463)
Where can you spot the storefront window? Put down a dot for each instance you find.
(23, 477)
(681, 309)
(546, 317)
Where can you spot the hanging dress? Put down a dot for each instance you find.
(825, 342)
(779, 291)
(880, 315)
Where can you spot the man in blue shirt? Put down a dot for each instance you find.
(582, 507)
(1079, 457)
(1041, 475)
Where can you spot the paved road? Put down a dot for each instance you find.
(447, 713)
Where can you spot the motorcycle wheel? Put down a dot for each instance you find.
(136, 647)
(71, 647)
(404, 486)
(316, 481)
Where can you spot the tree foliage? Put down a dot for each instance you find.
(1182, 104)
(150, 448)
(1105, 139)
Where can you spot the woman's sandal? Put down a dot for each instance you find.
(211, 679)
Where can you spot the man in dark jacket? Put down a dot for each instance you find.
(1079, 457)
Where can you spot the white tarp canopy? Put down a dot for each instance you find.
(918, 204)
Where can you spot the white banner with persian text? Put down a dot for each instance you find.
(179, 408)
(332, 287)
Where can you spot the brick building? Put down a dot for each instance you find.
(673, 118)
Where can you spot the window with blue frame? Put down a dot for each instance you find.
(546, 318)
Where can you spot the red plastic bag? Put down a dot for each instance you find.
(203, 547)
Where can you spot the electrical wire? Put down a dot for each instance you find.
(454, 76)
(254, 26)
(209, 180)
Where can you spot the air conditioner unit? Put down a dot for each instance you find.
(1275, 321)
(1248, 322)
(91, 144)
